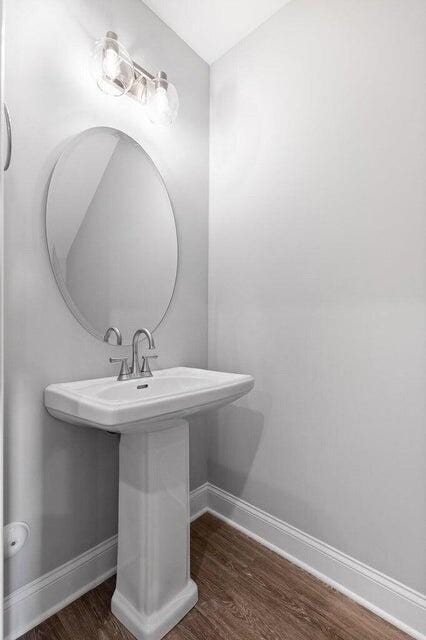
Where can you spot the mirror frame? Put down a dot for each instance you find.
(66, 149)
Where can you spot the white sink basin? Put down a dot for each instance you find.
(154, 587)
(137, 405)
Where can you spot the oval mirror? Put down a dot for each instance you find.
(111, 234)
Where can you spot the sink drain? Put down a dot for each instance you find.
(142, 386)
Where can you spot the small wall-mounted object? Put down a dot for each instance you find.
(9, 138)
(15, 536)
(117, 74)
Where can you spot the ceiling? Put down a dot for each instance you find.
(212, 27)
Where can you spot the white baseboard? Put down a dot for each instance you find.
(28, 606)
(199, 501)
(398, 604)
(405, 608)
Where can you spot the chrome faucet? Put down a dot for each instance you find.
(117, 332)
(136, 371)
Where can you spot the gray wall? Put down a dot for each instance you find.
(317, 274)
(60, 479)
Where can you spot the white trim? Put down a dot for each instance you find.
(398, 604)
(199, 501)
(28, 606)
(405, 608)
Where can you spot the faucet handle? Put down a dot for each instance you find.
(124, 369)
(146, 369)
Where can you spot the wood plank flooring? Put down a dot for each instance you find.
(246, 592)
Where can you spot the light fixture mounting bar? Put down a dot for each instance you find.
(140, 71)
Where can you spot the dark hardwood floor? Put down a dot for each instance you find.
(246, 592)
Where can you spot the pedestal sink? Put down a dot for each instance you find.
(154, 588)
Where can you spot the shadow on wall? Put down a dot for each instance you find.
(94, 512)
(238, 429)
(238, 434)
(67, 496)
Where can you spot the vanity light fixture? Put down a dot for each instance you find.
(117, 74)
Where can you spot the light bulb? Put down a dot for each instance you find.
(163, 101)
(111, 63)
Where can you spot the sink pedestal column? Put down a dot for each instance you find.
(154, 589)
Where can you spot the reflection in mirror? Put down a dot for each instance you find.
(111, 234)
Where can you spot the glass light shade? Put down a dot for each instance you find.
(162, 103)
(112, 67)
